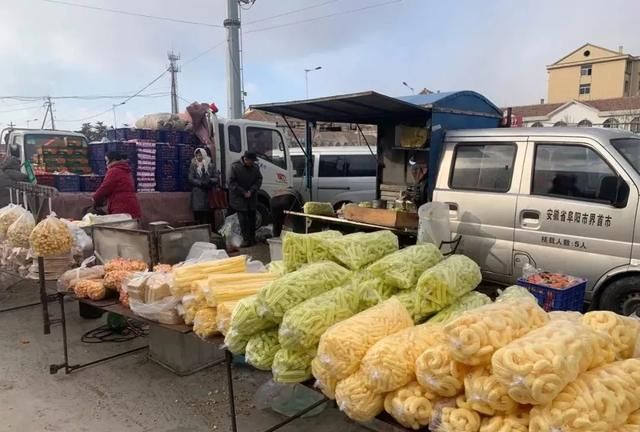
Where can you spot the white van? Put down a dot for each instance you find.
(340, 174)
(560, 199)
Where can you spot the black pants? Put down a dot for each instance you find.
(247, 221)
(202, 217)
(279, 204)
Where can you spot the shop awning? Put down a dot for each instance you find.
(363, 108)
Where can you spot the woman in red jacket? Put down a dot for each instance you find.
(118, 188)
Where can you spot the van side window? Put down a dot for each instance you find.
(347, 166)
(235, 141)
(267, 144)
(573, 171)
(484, 167)
(299, 165)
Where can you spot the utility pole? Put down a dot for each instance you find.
(234, 81)
(49, 111)
(174, 69)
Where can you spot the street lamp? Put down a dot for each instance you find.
(306, 78)
(404, 83)
(31, 120)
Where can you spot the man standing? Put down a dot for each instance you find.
(10, 174)
(244, 183)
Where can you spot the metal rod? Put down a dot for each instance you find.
(63, 320)
(76, 367)
(297, 415)
(295, 136)
(232, 403)
(43, 297)
(19, 307)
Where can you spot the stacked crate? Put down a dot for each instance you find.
(96, 158)
(146, 168)
(166, 169)
(68, 154)
(185, 156)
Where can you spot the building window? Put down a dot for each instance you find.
(560, 124)
(585, 70)
(626, 87)
(486, 167)
(635, 125)
(611, 123)
(537, 124)
(585, 123)
(585, 89)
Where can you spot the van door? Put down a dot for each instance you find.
(346, 178)
(299, 168)
(480, 181)
(566, 220)
(269, 146)
(233, 141)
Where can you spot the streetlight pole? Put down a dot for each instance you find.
(404, 83)
(31, 120)
(306, 78)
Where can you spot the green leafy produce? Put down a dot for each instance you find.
(515, 292)
(292, 366)
(403, 268)
(443, 283)
(300, 249)
(467, 302)
(262, 348)
(319, 246)
(245, 320)
(361, 249)
(319, 208)
(419, 310)
(236, 341)
(293, 288)
(277, 267)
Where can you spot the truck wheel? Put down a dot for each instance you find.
(622, 295)
(263, 215)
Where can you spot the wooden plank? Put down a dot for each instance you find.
(384, 217)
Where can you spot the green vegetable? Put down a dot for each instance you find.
(403, 268)
(443, 283)
(319, 245)
(236, 341)
(300, 249)
(277, 267)
(292, 366)
(293, 288)
(467, 302)
(319, 208)
(515, 292)
(418, 310)
(245, 320)
(262, 348)
(361, 249)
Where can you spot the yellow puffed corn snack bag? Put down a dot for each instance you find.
(356, 400)
(344, 344)
(536, 367)
(516, 422)
(325, 382)
(624, 332)
(391, 362)
(204, 322)
(449, 280)
(486, 394)
(411, 405)
(632, 424)
(459, 418)
(477, 334)
(597, 401)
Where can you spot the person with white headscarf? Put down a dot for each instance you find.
(201, 179)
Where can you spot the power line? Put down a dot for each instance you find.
(289, 13)
(203, 53)
(31, 99)
(324, 16)
(139, 15)
(20, 109)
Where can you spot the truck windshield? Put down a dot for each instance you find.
(630, 150)
(33, 142)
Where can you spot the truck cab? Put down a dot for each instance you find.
(560, 199)
(24, 143)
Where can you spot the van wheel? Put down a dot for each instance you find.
(622, 296)
(263, 215)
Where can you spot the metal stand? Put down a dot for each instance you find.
(68, 368)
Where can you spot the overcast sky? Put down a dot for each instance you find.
(499, 48)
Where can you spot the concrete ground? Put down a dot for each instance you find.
(126, 394)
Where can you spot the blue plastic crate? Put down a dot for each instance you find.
(99, 167)
(166, 169)
(90, 183)
(186, 151)
(166, 151)
(166, 184)
(97, 151)
(68, 182)
(125, 134)
(552, 299)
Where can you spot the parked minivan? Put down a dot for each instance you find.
(340, 174)
(560, 199)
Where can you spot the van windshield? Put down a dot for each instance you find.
(630, 150)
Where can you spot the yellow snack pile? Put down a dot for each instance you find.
(536, 367)
(344, 344)
(485, 394)
(477, 334)
(223, 317)
(632, 424)
(517, 422)
(624, 332)
(411, 405)
(597, 401)
(356, 400)
(436, 370)
(325, 382)
(191, 304)
(447, 281)
(461, 418)
(204, 323)
(51, 237)
(391, 362)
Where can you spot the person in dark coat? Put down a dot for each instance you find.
(287, 199)
(118, 188)
(201, 180)
(244, 183)
(10, 174)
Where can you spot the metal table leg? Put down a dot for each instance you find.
(43, 297)
(232, 402)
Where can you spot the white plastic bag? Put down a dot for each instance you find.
(163, 311)
(231, 231)
(8, 216)
(433, 225)
(19, 231)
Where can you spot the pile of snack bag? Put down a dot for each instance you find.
(380, 328)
